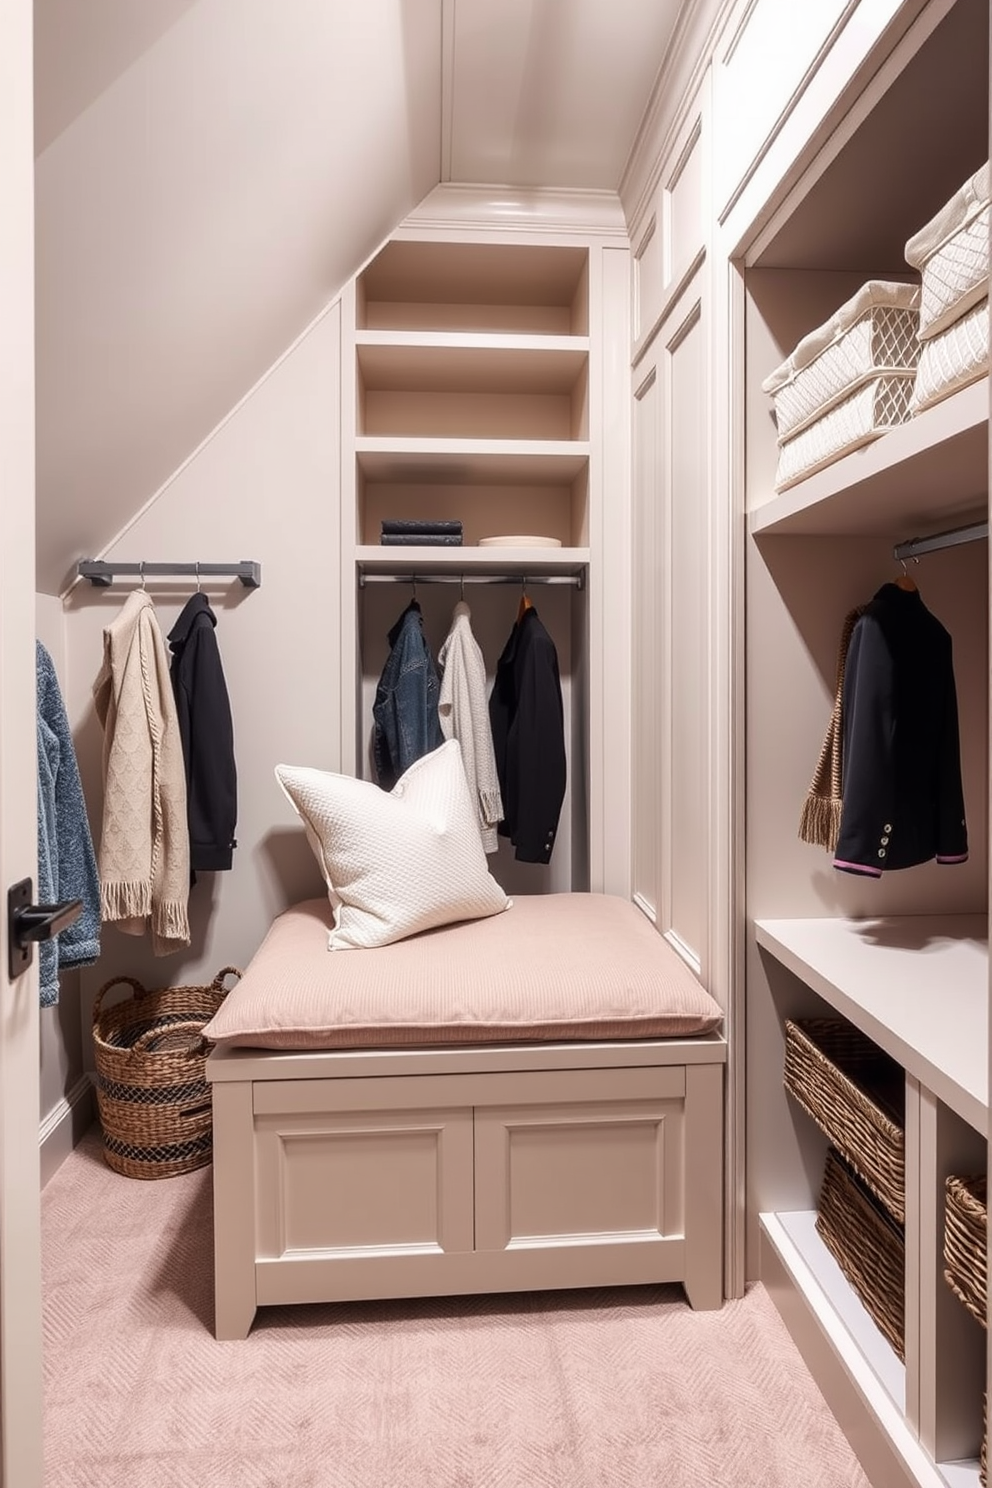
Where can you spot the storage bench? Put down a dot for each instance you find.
(483, 1165)
(392, 1173)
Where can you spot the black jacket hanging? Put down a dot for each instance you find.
(207, 733)
(903, 801)
(528, 725)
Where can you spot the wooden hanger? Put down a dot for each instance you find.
(525, 602)
(904, 581)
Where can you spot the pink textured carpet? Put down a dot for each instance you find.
(595, 1389)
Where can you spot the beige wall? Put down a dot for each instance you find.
(264, 487)
(207, 178)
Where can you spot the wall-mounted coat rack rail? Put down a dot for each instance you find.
(916, 546)
(102, 574)
(574, 581)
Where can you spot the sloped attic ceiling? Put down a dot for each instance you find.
(209, 173)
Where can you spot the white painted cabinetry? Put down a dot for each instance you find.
(683, 848)
(673, 542)
(766, 57)
(672, 713)
(904, 958)
(821, 138)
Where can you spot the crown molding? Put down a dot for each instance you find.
(494, 208)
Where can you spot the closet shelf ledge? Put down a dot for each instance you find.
(917, 474)
(471, 560)
(915, 984)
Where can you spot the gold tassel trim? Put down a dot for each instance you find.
(819, 822)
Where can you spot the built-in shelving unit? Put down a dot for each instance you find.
(903, 958)
(472, 379)
(472, 393)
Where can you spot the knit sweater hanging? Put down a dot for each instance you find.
(144, 843)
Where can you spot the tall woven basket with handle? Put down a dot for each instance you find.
(152, 1091)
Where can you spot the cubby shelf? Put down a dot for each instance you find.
(506, 462)
(466, 559)
(930, 471)
(917, 985)
(466, 361)
(796, 1257)
(799, 1247)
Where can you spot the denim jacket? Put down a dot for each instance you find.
(405, 707)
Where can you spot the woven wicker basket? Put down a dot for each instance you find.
(965, 1230)
(965, 1267)
(152, 1091)
(856, 1094)
(868, 1247)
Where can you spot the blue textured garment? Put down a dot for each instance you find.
(405, 707)
(66, 861)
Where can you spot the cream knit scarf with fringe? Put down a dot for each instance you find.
(819, 822)
(144, 842)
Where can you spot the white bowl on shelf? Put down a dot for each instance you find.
(519, 542)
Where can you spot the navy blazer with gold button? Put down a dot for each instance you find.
(903, 801)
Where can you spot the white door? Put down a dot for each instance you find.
(20, 1257)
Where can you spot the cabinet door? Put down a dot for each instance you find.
(583, 1167)
(672, 610)
(770, 50)
(360, 1184)
(673, 232)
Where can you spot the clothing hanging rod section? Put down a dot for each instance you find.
(919, 545)
(102, 574)
(575, 581)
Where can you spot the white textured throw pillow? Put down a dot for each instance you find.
(396, 862)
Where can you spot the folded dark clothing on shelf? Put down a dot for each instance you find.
(399, 525)
(421, 539)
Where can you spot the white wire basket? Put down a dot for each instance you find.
(954, 358)
(952, 254)
(875, 406)
(873, 334)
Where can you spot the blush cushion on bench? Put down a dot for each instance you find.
(553, 966)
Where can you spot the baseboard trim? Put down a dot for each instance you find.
(63, 1127)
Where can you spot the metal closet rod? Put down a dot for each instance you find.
(918, 545)
(575, 581)
(102, 574)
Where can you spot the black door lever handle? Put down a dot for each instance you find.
(28, 923)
